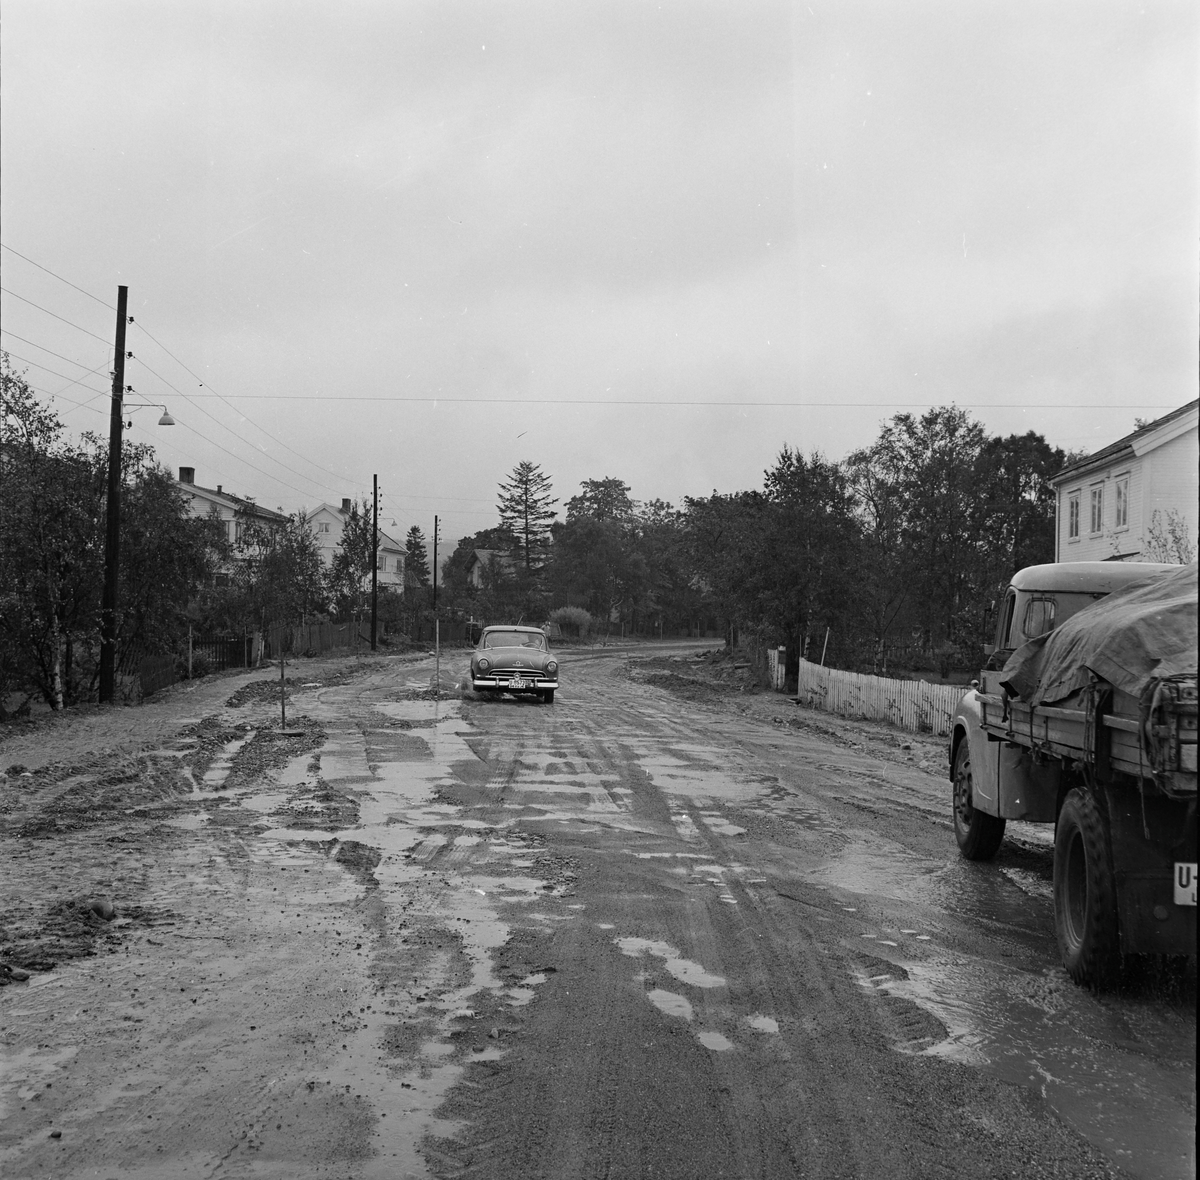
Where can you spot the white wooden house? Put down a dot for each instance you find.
(327, 522)
(1109, 503)
(216, 501)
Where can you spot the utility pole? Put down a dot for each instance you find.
(112, 531)
(437, 623)
(375, 562)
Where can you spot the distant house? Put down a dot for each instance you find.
(483, 559)
(1107, 503)
(226, 506)
(327, 522)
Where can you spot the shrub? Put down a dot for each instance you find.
(574, 621)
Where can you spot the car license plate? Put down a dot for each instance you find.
(517, 682)
(1185, 883)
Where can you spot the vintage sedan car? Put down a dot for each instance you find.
(514, 659)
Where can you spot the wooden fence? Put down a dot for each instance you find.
(914, 705)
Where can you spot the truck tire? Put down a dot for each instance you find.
(1085, 895)
(978, 834)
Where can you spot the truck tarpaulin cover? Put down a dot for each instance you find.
(1143, 632)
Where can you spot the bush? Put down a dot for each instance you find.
(574, 621)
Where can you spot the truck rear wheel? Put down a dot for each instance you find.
(1085, 896)
(978, 834)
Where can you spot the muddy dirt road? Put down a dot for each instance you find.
(638, 932)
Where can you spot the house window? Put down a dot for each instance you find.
(1073, 516)
(381, 563)
(1097, 520)
(323, 526)
(1121, 506)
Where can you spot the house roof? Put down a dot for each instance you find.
(1136, 443)
(237, 503)
(500, 556)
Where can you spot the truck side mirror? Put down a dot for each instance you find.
(988, 648)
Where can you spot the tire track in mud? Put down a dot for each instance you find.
(790, 1068)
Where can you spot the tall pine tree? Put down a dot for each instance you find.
(416, 562)
(526, 509)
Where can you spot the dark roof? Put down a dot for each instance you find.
(235, 501)
(1122, 445)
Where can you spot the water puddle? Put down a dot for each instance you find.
(670, 1003)
(714, 1040)
(767, 1024)
(683, 969)
(1078, 1051)
(719, 824)
(218, 772)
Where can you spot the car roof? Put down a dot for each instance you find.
(1086, 577)
(504, 627)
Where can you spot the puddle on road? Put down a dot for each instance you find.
(695, 772)
(767, 1024)
(671, 1003)
(1076, 1050)
(683, 969)
(714, 1040)
(218, 772)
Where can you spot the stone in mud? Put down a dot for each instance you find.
(355, 855)
(102, 907)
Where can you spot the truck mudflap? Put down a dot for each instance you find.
(1149, 917)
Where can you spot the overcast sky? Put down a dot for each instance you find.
(652, 241)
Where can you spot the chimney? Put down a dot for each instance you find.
(218, 487)
(346, 506)
(187, 475)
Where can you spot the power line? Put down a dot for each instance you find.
(47, 311)
(49, 350)
(57, 276)
(215, 393)
(600, 401)
(55, 373)
(267, 433)
(232, 431)
(71, 401)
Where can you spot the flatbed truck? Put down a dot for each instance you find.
(1113, 771)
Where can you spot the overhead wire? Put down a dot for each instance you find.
(51, 351)
(48, 271)
(56, 373)
(299, 475)
(63, 319)
(266, 454)
(215, 393)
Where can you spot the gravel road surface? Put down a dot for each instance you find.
(661, 928)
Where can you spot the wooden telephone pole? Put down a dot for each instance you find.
(374, 562)
(112, 524)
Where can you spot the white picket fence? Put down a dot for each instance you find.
(914, 705)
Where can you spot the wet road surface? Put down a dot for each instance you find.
(624, 935)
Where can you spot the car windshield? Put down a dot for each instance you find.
(514, 639)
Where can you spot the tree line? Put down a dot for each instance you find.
(899, 547)
(893, 553)
(177, 573)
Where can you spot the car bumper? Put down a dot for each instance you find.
(504, 683)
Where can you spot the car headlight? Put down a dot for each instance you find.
(484, 663)
(551, 666)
